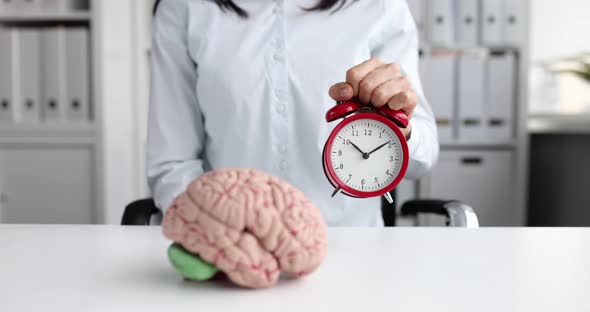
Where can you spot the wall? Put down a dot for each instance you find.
(116, 105)
(559, 28)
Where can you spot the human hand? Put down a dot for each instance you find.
(378, 83)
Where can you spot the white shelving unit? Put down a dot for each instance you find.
(489, 175)
(37, 17)
(49, 170)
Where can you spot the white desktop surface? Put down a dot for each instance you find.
(108, 268)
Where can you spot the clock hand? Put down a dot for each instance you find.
(378, 148)
(365, 155)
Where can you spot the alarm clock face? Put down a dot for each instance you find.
(366, 155)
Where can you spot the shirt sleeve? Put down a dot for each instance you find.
(175, 123)
(398, 42)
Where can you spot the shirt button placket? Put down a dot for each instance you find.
(279, 96)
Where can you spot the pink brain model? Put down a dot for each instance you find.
(250, 225)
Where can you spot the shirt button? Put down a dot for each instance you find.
(277, 57)
(280, 108)
(282, 149)
(283, 165)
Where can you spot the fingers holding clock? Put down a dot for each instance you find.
(406, 101)
(379, 84)
(355, 76)
(365, 77)
(341, 92)
(389, 76)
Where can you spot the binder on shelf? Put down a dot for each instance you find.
(513, 21)
(54, 74)
(78, 74)
(54, 6)
(440, 22)
(7, 54)
(492, 24)
(471, 95)
(7, 6)
(467, 22)
(439, 76)
(63, 6)
(27, 6)
(501, 96)
(29, 58)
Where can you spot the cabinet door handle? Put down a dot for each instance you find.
(472, 161)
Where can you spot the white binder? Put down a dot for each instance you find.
(492, 24)
(440, 22)
(54, 74)
(467, 22)
(65, 5)
(7, 86)
(54, 5)
(501, 96)
(439, 76)
(471, 97)
(25, 6)
(513, 21)
(29, 93)
(78, 74)
(7, 6)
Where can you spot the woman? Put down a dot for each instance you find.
(246, 83)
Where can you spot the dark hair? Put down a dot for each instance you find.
(322, 5)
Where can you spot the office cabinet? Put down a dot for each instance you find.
(438, 73)
(7, 84)
(492, 22)
(46, 185)
(482, 179)
(440, 22)
(501, 96)
(514, 21)
(467, 22)
(471, 95)
(65, 5)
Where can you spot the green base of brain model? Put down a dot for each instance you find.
(190, 266)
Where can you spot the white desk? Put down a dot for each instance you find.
(82, 268)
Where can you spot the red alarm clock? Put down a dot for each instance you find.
(366, 155)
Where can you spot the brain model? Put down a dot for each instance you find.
(246, 224)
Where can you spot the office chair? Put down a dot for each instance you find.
(457, 214)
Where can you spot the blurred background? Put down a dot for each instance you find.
(508, 81)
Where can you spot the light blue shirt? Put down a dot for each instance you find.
(229, 92)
